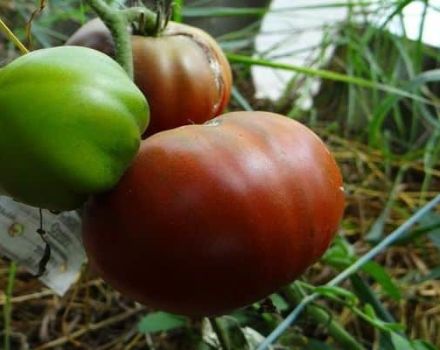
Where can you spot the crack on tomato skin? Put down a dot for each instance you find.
(214, 64)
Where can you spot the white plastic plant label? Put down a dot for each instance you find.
(20, 242)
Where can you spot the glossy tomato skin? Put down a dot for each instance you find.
(182, 72)
(213, 217)
(70, 124)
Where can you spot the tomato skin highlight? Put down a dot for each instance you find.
(183, 72)
(213, 217)
(70, 124)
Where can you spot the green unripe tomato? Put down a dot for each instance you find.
(70, 125)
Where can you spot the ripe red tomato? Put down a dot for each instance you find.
(182, 72)
(213, 217)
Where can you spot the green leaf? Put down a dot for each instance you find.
(376, 231)
(389, 102)
(243, 316)
(365, 294)
(385, 341)
(253, 337)
(231, 334)
(340, 255)
(160, 322)
(369, 311)
(337, 292)
(422, 345)
(400, 342)
(370, 316)
(279, 302)
(382, 277)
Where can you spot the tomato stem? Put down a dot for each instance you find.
(117, 23)
(143, 20)
(177, 11)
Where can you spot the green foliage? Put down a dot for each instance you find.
(160, 322)
(381, 276)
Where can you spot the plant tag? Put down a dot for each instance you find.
(20, 242)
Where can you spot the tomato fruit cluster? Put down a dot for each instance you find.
(212, 217)
(195, 219)
(183, 72)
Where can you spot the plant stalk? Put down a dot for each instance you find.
(11, 36)
(118, 26)
(294, 295)
(177, 11)
(133, 14)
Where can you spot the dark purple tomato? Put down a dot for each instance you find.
(213, 217)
